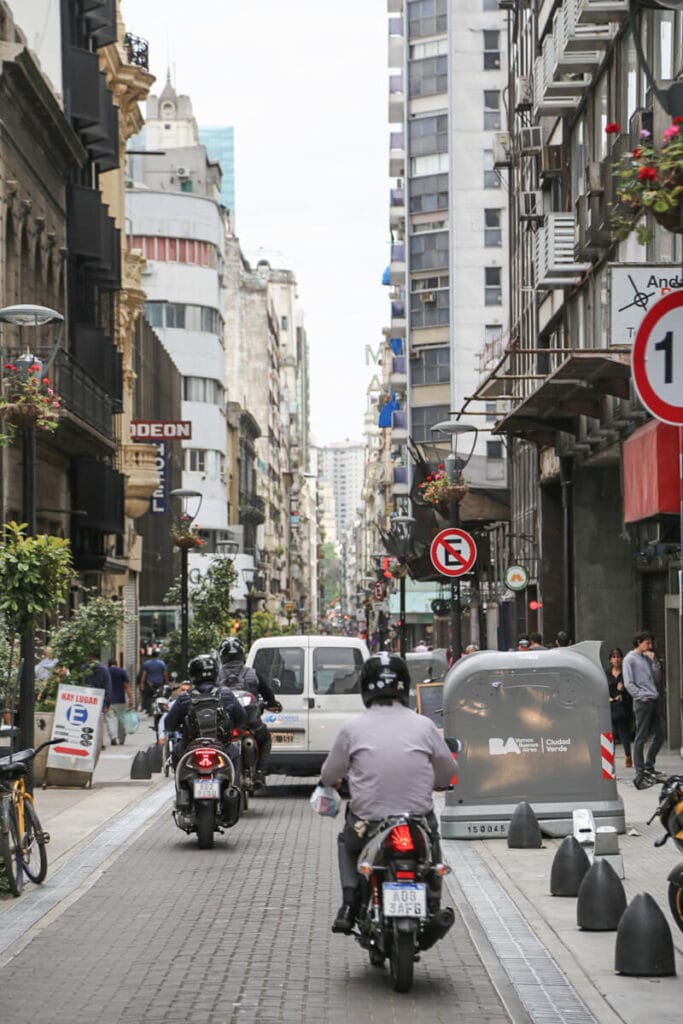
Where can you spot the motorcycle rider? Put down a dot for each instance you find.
(235, 674)
(393, 759)
(202, 672)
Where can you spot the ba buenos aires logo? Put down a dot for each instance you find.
(497, 745)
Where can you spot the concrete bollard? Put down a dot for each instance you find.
(140, 767)
(155, 757)
(570, 864)
(524, 832)
(644, 947)
(602, 899)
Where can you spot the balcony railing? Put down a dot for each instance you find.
(137, 50)
(253, 509)
(82, 396)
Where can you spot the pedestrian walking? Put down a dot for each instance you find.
(153, 676)
(121, 696)
(562, 638)
(536, 642)
(620, 703)
(642, 673)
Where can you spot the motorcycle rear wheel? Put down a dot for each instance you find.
(676, 903)
(401, 959)
(206, 817)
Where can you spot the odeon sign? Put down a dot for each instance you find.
(161, 430)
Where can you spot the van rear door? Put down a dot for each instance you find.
(335, 673)
(289, 728)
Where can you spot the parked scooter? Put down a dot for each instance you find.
(670, 813)
(208, 800)
(400, 913)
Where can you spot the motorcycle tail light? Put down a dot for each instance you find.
(236, 733)
(405, 874)
(365, 868)
(206, 759)
(400, 839)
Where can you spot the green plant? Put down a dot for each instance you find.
(649, 179)
(28, 398)
(438, 488)
(35, 575)
(210, 603)
(94, 625)
(46, 692)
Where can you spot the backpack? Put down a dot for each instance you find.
(206, 716)
(232, 676)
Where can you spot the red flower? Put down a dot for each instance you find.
(612, 128)
(10, 366)
(441, 466)
(35, 368)
(677, 119)
(647, 174)
(635, 153)
(46, 380)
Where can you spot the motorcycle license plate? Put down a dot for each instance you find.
(404, 899)
(282, 739)
(207, 789)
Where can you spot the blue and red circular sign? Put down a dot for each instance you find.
(657, 360)
(453, 551)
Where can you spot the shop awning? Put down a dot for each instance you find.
(650, 467)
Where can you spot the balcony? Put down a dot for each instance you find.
(82, 396)
(585, 33)
(398, 377)
(252, 509)
(399, 425)
(401, 485)
(97, 489)
(556, 266)
(598, 11)
(101, 360)
(139, 468)
(397, 100)
(100, 17)
(550, 99)
(397, 210)
(93, 235)
(396, 43)
(397, 267)
(137, 51)
(397, 155)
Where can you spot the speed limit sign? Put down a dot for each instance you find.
(658, 360)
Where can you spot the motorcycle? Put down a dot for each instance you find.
(670, 813)
(160, 703)
(253, 709)
(207, 798)
(400, 914)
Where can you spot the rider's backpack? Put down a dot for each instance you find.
(233, 675)
(206, 716)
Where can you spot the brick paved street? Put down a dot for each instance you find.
(240, 933)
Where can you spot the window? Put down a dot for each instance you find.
(429, 194)
(423, 418)
(490, 5)
(494, 449)
(491, 412)
(284, 323)
(493, 290)
(493, 236)
(195, 460)
(175, 315)
(491, 51)
(491, 175)
(432, 367)
(336, 670)
(429, 77)
(202, 389)
(430, 302)
(429, 135)
(186, 186)
(283, 663)
(492, 118)
(427, 18)
(429, 251)
(154, 311)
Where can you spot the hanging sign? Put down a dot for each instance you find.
(453, 552)
(516, 577)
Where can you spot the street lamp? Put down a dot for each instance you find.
(23, 316)
(671, 97)
(455, 463)
(402, 536)
(188, 504)
(249, 575)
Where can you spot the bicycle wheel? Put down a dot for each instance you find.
(10, 848)
(33, 851)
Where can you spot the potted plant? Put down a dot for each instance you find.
(185, 535)
(28, 399)
(649, 179)
(440, 490)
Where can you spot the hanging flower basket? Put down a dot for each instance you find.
(186, 539)
(649, 179)
(28, 400)
(440, 491)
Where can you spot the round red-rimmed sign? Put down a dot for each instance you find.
(657, 359)
(453, 551)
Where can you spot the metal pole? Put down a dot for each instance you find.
(27, 695)
(402, 593)
(183, 610)
(456, 635)
(248, 620)
(680, 580)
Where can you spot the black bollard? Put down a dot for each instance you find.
(570, 864)
(602, 899)
(155, 756)
(524, 832)
(644, 947)
(140, 768)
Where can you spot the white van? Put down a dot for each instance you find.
(319, 689)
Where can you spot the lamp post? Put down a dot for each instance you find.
(188, 505)
(455, 464)
(22, 316)
(402, 535)
(249, 575)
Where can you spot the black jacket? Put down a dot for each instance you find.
(177, 714)
(240, 677)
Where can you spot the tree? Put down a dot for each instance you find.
(330, 572)
(211, 620)
(94, 625)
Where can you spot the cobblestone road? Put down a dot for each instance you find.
(233, 935)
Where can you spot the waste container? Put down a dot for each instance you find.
(536, 726)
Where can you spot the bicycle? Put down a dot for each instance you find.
(22, 839)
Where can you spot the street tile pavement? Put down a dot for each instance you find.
(233, 935)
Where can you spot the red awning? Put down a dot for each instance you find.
(651, 478)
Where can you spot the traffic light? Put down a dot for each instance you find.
(535, 605)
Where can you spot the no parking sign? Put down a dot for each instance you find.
(453, 552)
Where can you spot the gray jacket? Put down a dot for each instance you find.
(641, 676)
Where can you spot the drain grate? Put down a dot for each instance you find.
(542, 987)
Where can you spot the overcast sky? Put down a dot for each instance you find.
(304, 83)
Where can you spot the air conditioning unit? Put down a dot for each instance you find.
(530, 139)
(551, 161)
(147, 269)
(502, 149)
(428, 296)
(525, 93)
(531, 205)
(183, 172)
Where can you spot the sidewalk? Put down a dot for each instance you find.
(587, 958)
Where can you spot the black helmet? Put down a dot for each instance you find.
(203, 669)
(384, 676)
(231, 649)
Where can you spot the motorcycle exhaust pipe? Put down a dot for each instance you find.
(249, 752)
(230, 805)
(436, 927)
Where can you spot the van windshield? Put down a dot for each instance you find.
(283, 663)
(336, 670)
